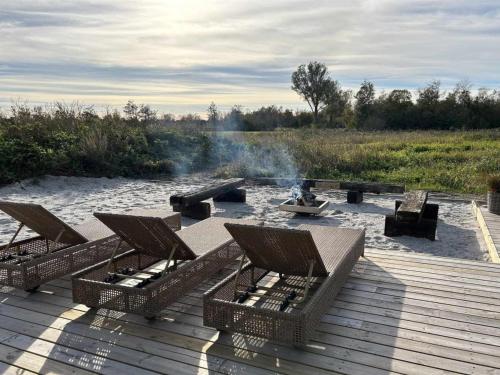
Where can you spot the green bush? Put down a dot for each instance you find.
(80, 143)
(65, 142)
(435, 160)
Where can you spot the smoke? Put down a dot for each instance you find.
(256, 159)
(233, 153)
(268, 160)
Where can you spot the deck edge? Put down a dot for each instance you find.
(492, 249)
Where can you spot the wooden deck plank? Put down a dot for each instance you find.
(424, 277)
(36, 363)
(454, 312)
(150, 345)
(335, 341)
(72, 357)
(432, 258)
(473, 350)
(472, 353)
(424, 294)
(183, 316)
(442, 272)
(435, 264)
(466, 265)
(408, 361)
(429, 284)
(413, 342)
(490, 228)
(396, 314)
(198, 313)
(223, 350)
(178, 310)
(295, 370)
(328, 316)
(437, 326)
(6, 369)
(490, 324)
(417, 370)
(140, 343)
(414, 300)
(199, 331)
(427, 288)
(92, 347)
(343, 353)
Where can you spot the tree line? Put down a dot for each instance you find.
(331, 106)
(432, 108)
(74, 140)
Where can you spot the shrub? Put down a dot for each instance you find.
(66, 141)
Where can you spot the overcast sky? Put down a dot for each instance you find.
(178, 56)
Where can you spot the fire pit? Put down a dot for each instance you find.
(303, 202)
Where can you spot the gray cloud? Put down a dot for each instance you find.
(182, 55)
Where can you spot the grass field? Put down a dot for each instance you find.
(449, 161)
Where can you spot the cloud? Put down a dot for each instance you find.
(182, 55)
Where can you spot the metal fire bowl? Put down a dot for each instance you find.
(290, 206)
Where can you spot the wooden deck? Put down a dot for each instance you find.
(397, 314)
(490, 227)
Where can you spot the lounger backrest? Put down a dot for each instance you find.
(287, 251)
(147, 235)
(42, 222)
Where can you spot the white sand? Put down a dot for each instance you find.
(74, 199)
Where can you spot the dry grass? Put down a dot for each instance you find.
(452, 161)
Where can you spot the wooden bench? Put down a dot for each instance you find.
(191, 204)
(355, 190)
(413, 216)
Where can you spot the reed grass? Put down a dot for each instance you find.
(448, 161)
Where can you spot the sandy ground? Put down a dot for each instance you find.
(75, 199)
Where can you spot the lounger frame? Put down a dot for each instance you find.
(293, 327)
(62, 259)
(90, 289)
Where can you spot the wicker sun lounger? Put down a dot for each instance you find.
(58, 249)
(292, 278)
(161, 267)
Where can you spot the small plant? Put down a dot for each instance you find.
(493, 183)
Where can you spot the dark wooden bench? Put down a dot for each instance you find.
(413, 216)
(355, 190)
(191, 204)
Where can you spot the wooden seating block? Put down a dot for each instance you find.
(412, 206)
(354, 197)
(190, 204)
(425, 227)
(236, 195)
(198, 211)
